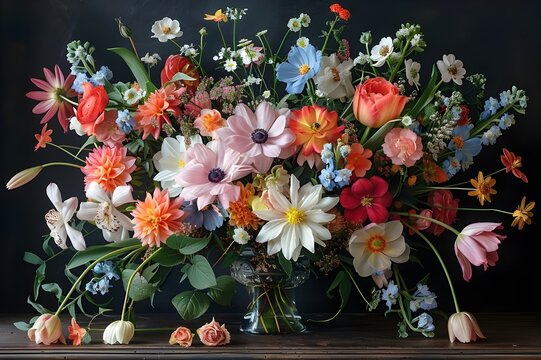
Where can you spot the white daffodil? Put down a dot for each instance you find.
(412, 72)
(451, 69)
(57, 219)
(334, 78)
(170, 161)
(296, 222)
(102, 210)
(382, 51)
(166, 29)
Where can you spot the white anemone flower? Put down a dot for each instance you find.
(57, 220)
(170, 161)
(412, 72)
(166, 29)
(451, 69)
(103, 210)
(296, 222)
(334, 78)
(294, 24)
(375, 246)
(230, 65)
(382, 51)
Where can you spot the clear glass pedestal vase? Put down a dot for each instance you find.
(272, 308)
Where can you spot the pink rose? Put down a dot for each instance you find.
(377, 101)
(182, 336)
(212, 334)
(423, 224)
(46, 330)
(403, 147)
(200, 101)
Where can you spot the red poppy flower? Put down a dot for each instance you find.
(367, 198)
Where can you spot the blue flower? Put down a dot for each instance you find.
(491, 107)
(464, 147)
(326, 178)
(106, 268)
(506, 121)
(345, 150)
(125, 122)
(390, 294)
(102, 286)
(491, 135)
(423, 298)
(327, 155)
(211, 217)
(302, 64)
(455, 112)
(80, 79)
(506, 98)
(341, 177)
(424, 323)
(101, 76)
(451, 166)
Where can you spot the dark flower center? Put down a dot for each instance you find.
(216, 175)
(259, 136)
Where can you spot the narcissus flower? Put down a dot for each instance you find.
(451, 69)
(483, 188)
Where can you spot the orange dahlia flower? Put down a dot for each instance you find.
(109, 167)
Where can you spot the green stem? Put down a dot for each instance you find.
(281, 44)
(68, 100)
(222, 35)
(402, 56)
(133, 47)
(356, 286)
(280, 307)
(272, 309)
(365, 135)
(234, 35)
(55, 255)
(59, 163)
(437, 222)
(483, 209)
(176, 43)
(468, 181)
(446, 188)
(66, 151)
(328, 34)
(86, 65)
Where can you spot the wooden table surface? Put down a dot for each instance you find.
(351, 336)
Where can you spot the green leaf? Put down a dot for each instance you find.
(94, 252)
(337, 280)
(427, 95)
(40, 276)
(180, 76)
(169, 257)
(32, 258)
(91, 140)
(46, 248)
(187, 245)
(53, 288)
(191, 304)
(38, 307)
(285, 264)
(135, 65)
(229, 259)
(345, 291)
(200, 274)
(140, 288)
(376, 140)
(223, 291)
(21, 325)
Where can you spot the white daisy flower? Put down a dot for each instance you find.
(451, 69)
(230, 65)
(241, 236)
(266, 94)
(305, 19)
(303, 42)
(294, 24)
(382, 51)
(412, 72)
(166, 29)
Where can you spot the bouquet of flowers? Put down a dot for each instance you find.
(278, 162)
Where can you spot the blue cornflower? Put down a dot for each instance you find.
(210, 217)
(326, 178)
(491, 107)
(101, 76)
(302, 64)
(341, 177)
(506, 98)
(425, 323)
(125, 121)
(80, 79)
(464, 147)
(106, 268)
(390, 294)
(423, 298)
(327, 155)
(506, 121)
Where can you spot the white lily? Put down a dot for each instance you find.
(57, 219)
(296, 222)
(102, 209)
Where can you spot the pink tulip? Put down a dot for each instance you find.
(464, 327)
(477, 244)
(377, 101)
(46, 330)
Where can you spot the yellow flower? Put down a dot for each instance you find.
(483, 188)
(523, 213)
(218, 16)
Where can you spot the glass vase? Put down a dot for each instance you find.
(272, 308)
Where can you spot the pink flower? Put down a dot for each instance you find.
(366, 198)
(210, 172)
(50, 102)
(109, 167)
(212, 334)
(200, 101)
(106, 129)
(47, 330)
(259, 136)
(477, 244)
(403, 147)
(444, 208)
(182, 336)
(423, 224)
(464, 327)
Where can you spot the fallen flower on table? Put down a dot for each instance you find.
(77, 334)
(214, 334)
(47, 330)
(463, 326)
(182, 336)
(119, 332)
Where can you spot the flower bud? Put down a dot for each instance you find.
(47, 330)
(23, 177)
(119, 332)
(366, 38)
(124, 31)
(463, 326)
(203, 31)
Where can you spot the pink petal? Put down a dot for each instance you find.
(277, 127)
(43, 85)
(49, 114)
(377, 213)
(464, 264)
(471, 250)
(361, 188)
(49, 76)
(265, 116)
(43, 106)
(262, 163)
(58, 74)
(38, 95)
(355, 216)
(348, 200)
(192, 175)
(271, 150)
(380, 186)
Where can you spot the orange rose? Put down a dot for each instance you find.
(91, 106)
(182, 336)
(377, 101)
(178, 63)
(212, 334)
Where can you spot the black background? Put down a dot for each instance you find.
(497, 38)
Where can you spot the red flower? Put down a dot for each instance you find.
(335, 8)
(444, 209)
(178, 63)
(344, 14)
(44, 138)
(366, 198)
(91, 106)
(464, 116)
(513, 163)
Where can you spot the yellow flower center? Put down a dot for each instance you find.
(384, 50)
(459, 142)
(303, 69)
(335, 74)
(166, 30)
(366, 201)
(181, 164)
(452, 70)
(294, 216)
(516, 164)
(376, 243)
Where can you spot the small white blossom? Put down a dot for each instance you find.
(262, 32)
(320, 93)
(403, 33)
(294, 24)
(270, 61)
(188, 50)
(235, 14)
(416, 40)
(132, 95)
(451, 69)
(491, 135)
(151, 60)
(166, 29)
(305, 19)
(361, 59)
(303, 42)
(230, 65)
(251, 80)
(407, 120)
(382, 51)
(412, 72)
(266, 94)
(241, 236)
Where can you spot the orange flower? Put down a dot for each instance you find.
(157, 218)
(483, 188)
(44, 138)
(335, 8)
(433, 173)
(218, 16)
(109, 167)
(522, 215)
(358, 161)
(151, 115)
(314, 126)
(344, 14)
(76, 333)
(513, 163)
(412, 180)
(240, 211)
(209, 121)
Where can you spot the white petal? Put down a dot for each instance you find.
(54, 195)
(96, 193)
(290, 241)
(269, 215)
(393, 230)
(327, 203)
(270, 230)
(278, 201)
(311, 200)
(296, 253)
(362, 266)
(307, 237)
(68, 208)
(76, 237)
(124, 220)
(274, 246)
(294, 190)
(122, 195)
(318, 216)
(88, 211)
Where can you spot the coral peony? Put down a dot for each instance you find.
(403, 147)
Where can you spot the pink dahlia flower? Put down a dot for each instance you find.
(107, 131)
(403, 147)
(210, 172)
(259, 136)
(366, 198)
(109, 167)
(50, 101)
(477, 244)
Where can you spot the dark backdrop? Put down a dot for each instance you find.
(498, 38)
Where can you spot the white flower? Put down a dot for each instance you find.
(303, 42)
(166, 29)
(119, 332)
(76, 126)
(334, 78)
(241, 236)
(57, 219)
(151, 60)
(305, 19)
(132, 96)
(250, 54)
(296, 222)
(103, 210)
(491, 135)
(412, 72)
(382, 51)
(262, 32)
(294, 24)
(416, 40)
(451, 69)
(361, 59)
(188, 50)
(230, 65)
(170, 161)
(266, 94)
(270, 61)
(407, 120)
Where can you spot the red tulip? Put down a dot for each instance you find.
(178, 63)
